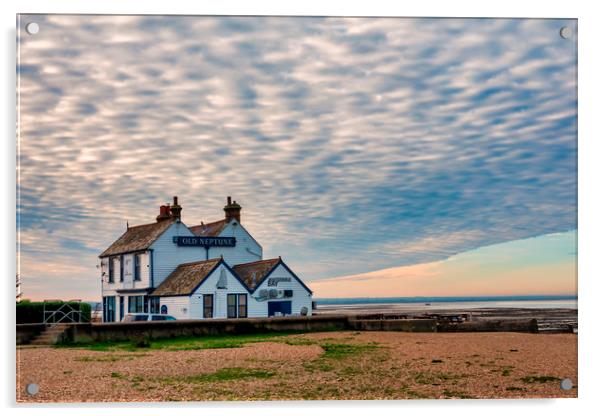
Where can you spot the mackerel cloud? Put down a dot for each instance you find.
(352, 144)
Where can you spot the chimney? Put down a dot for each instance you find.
(232, 210)
(163, 213)
(176, 210)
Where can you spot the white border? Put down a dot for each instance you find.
(590, 207)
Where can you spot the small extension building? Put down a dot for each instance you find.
(212, 270)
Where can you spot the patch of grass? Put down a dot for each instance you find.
(538, 379)
(228, 374)
(116, 374)
(341, 351)
(506, 372)
(436, 361)
(67, 372)
(183, 343)
(513, 350)
(512, 388)
(141, 343)
(299, 341)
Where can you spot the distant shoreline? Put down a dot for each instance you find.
(442, 299)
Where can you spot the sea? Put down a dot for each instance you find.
(456, 302)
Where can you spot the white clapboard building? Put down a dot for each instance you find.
(213, 270)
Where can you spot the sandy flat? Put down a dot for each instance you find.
(372, 365)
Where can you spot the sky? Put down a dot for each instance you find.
(375, 148)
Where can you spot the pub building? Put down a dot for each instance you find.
(210, 270)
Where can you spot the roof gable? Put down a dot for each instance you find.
(212, 229)
(186, 278)
(252, 274)
(139, 237)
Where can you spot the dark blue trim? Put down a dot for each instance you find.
(280, 262)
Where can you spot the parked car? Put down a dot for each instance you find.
(141, 317)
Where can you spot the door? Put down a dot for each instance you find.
(284, 307)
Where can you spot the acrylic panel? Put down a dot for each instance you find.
(295, 208)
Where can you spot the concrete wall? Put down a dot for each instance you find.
(505, 325)
(172, 329)
(404, 325)
(26, 332)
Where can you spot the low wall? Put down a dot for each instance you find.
(92, 332)
(504, 325)
(26, 332)
(405, 325)
(183, 328)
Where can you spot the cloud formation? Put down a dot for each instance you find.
(352, 144)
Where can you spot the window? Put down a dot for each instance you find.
(108, 308)
(242, 306)
(137, 267)
(135, 304)
(288, 293)
(158, 317)
(231, 306)
(164, 309)
(111, 270)
(237, 305)
(207, 306)
(154, 304)
(121, 269)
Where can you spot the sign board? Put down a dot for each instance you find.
(273, 281)
(205, 241)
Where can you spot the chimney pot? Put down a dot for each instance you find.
(163, 213)
(176, 209)
(232, 210)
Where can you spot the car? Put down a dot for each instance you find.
(142, 317)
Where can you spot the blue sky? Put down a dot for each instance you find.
(353, 145)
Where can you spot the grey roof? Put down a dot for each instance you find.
(212, 229)
(186, 278)
(139, 237)
(253, 273)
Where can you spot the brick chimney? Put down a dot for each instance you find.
(176, 210)
(232, 210)
(163, 213)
